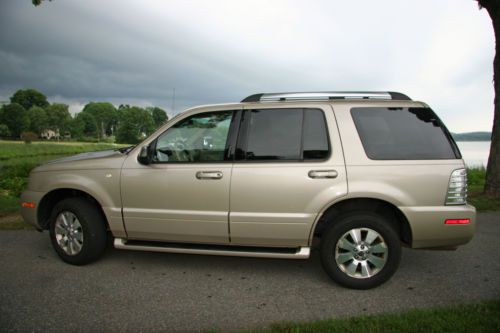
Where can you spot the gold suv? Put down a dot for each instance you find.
(362, 172)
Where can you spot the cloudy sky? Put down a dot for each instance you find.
(137, 52)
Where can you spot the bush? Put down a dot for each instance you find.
(14, 186)
(4, 130)
(476, 176)
(28, 137)
(109, 139)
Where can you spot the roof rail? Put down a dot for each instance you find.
(326, 95)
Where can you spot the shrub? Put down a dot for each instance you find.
(4, 130)
(14, 186)
(476, 175)
(28, 137)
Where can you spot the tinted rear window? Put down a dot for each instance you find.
(275, 134)
(286, 135)
(403, 134)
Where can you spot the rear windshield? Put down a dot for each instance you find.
(403, 134)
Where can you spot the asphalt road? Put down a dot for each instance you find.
(139, 291)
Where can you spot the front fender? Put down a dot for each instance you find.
(102, 185)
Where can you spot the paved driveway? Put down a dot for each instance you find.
(132, 291)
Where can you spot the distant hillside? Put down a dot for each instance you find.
(472, 136)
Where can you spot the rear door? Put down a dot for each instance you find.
(288, 167)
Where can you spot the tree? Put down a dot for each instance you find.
(159, 115)
(134, 125)
(105, 116)
(58, 117)
(16, 118)
(492, 185)
(38, 119)
(28, 98)
(84, 124)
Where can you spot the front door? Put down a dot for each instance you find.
(183, 195)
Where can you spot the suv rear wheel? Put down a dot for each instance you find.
(77, 231)
(360, 250)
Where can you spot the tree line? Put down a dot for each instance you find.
(30, 114)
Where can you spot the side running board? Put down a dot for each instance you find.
(218, 250)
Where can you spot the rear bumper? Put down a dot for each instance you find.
(428, 228)
(30, 214)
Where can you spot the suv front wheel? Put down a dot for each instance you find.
(77, 231)
(360, 250)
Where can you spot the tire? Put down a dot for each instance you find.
(77, 231)
(361, 250)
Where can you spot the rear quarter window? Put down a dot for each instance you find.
(403, 134)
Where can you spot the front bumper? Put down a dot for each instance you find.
(428, 228)
(30, 214)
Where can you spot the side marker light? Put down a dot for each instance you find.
(457, 221)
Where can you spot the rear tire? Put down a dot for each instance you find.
(77, 231)
(361, 250)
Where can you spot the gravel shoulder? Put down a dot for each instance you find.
(139, 291)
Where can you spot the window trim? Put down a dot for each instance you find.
(242, 142)
(232, 134)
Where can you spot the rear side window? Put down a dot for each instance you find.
(285, 135)
(403, 134)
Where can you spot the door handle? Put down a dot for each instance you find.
(209, 175)
(315, 174)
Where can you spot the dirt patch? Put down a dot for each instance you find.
(13, 222)
(10, 218)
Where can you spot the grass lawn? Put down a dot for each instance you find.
(483, 203)
(478, 318)
(16, 161)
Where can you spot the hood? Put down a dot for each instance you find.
(106, 159)
(86, 156)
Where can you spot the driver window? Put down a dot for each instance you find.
(199, 138)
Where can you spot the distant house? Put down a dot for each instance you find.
(50, 134)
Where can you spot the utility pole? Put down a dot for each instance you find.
(173, 101)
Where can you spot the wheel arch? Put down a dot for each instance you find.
(49, 200)
(396, 217)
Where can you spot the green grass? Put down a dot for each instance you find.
(483, 203)
(14, 149)
(8, 204)
(17, 159)
(478, 318)
(9, 220)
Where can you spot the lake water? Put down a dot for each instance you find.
(475, 153)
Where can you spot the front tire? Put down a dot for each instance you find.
(77, 231)
(361, 250)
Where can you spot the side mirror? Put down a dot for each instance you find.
(145, 156)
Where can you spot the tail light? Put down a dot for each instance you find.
(457, 188)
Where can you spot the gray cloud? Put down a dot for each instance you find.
(220, 51)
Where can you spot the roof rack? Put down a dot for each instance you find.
(326, 95)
